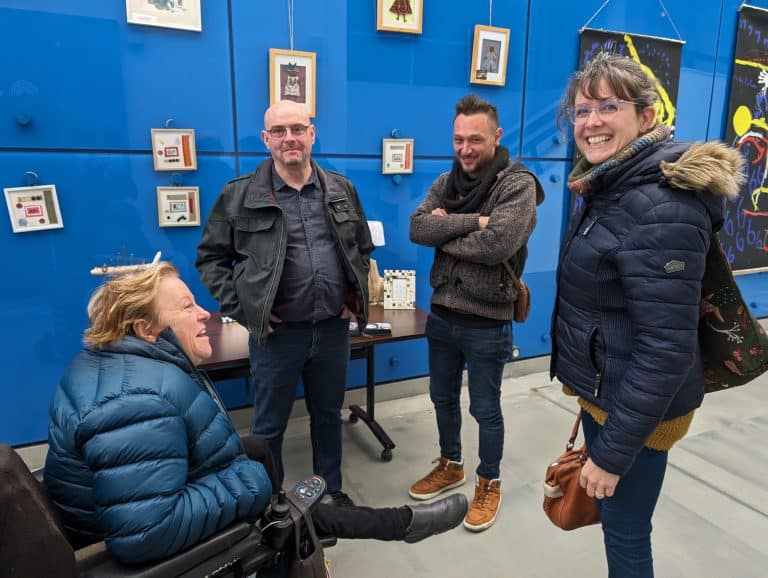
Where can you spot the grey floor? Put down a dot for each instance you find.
(711, 521)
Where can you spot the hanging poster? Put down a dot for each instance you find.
(293, 76)
(744, 235)
(659, 56)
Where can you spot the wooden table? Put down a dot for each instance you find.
(230, 357)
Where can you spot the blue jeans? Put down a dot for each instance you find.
(484, 351)
(626, 516)
(319, 355)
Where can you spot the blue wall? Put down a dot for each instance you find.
(93, 87)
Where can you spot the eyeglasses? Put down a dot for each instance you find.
(281, 131)
(605, 109)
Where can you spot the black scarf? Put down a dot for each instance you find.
(465, 194)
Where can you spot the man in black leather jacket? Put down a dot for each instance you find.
(286, 251)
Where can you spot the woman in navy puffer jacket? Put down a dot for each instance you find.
(625, 325)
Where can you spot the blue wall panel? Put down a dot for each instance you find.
(92, 86)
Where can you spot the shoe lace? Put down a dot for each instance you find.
(483, 496)
(439, 472)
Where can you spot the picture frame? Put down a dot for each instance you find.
(179, 14)
(400, 16)
(293, 76)
(399, 289)
(397, 156)
(173, 149)
(178, 206)
(490, 51)
(33, 208)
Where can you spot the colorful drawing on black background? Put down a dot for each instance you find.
(745, 232)
(659, 57)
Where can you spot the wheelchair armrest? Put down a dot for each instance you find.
(216, 551)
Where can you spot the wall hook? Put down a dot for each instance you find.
(170, 123)
(397, 179)
(31, 179)
(23, 119)
(395, 133)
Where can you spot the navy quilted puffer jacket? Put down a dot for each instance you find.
(143, 454)
(625, 324)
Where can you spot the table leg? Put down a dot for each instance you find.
(356, 412)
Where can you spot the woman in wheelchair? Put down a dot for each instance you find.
(142, 453)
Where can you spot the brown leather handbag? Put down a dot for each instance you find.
(566, 503)
(523, 301)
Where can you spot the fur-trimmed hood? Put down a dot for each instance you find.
(710, 166)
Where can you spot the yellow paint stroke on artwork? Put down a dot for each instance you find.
(750, 63)
(742, 120)
(755, 196)
(664, 108)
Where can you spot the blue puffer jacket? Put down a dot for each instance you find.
(143, 455)
(625, 325)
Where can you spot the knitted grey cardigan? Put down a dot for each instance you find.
(468, 275)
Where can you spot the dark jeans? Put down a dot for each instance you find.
(484, 351)
(626, 516)
(318, 354)
(356, 522)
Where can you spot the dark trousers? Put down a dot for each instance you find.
(484, 351)
(318, 354)
(353, 523)
(626, 516)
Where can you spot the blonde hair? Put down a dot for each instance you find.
(122, 301)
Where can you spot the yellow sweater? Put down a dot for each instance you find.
(666, 434)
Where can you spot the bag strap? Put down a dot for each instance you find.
(511, 273)
(574, 433)
(307, 518)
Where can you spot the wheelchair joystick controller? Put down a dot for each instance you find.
(279, 526)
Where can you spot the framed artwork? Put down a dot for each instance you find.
(181, 14)
(174, 149)
(178, 206)
(399, 15)
(33, 208)
(397, 156)
(399, 289)
(293, 76)
(489, 56)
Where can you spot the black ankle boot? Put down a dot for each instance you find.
(435, 518)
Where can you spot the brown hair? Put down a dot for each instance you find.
(473, 104)
(622, 74)
(122, 301)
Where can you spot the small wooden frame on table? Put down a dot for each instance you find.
(399, 289)
(293, 76)
(489, 56)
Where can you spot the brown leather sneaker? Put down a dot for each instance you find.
(446, 475)
(485, 505)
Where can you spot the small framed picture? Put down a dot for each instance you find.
(399, 289)
(178, 206)
(174, 149)
(399, 15)
(397, 156)
(293, 76)
(489, 56)
(181, 14)
(33, 208)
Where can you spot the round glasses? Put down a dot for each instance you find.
(604, 109)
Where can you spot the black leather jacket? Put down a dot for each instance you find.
(241, 253)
